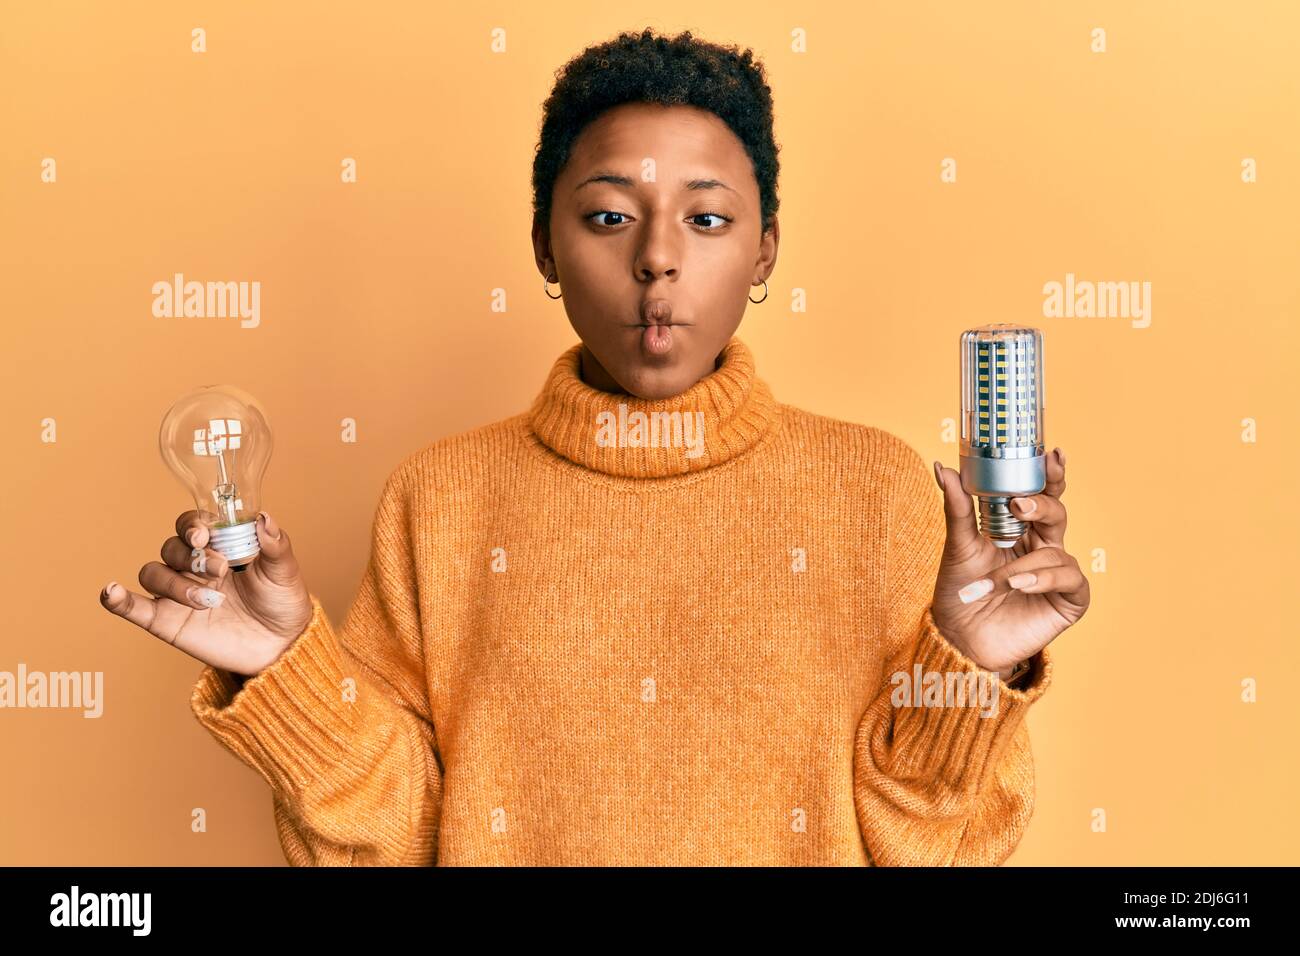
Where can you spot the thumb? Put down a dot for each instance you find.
(959, 513)
(277, 557)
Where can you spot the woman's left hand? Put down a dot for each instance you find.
(999, 606)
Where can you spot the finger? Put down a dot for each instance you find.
(1065, 579)
(963, 532)
(136, 608)
(199, 522)
(1055, 462)
(162, 581)
(1045, 513)
(165, 620)
(199, 561)
(277, 558)
(995, 582)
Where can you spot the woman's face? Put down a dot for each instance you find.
(656, 239)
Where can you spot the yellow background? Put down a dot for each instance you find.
(1119, 166)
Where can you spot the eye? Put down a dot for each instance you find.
(712, 215)
(607, 212)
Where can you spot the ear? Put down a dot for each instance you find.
(542, 249)
(768, 246)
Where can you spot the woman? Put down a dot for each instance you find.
(660, 617)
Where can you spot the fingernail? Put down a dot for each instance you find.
(1027, 505)
(108, 589)
(1060, 456)
(937, 480)
(269, 524)
(205, 596)
(1022, 580)
(975, 590)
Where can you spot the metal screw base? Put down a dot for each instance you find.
(997, 523)
(237, 544)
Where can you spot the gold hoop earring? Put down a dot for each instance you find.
(756, 301)
(548, 281)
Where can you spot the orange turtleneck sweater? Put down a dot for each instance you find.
(581, 640)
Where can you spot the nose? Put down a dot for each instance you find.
(660, 251)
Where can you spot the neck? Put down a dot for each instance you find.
(604, 429)
(594, 374)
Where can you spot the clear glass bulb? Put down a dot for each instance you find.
(217, 442)
(1002, 402)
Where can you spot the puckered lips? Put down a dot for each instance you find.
(657, 327)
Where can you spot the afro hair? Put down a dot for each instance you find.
(652, 68)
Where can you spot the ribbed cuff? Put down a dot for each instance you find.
(289, 722)
(956, 745)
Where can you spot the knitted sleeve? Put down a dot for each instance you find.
(339, 725)
(938, 785)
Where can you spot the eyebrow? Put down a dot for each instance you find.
(618, 180)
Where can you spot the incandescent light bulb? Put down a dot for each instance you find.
(217, 442)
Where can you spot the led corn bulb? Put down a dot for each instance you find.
(217, 442)
(1002, 454)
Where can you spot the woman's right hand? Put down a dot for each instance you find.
(248, 619)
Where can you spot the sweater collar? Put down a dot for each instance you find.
(715, 420)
